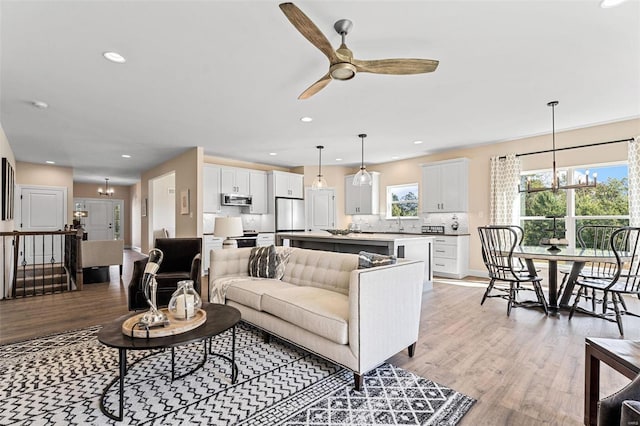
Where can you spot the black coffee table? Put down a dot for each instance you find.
(219, 319)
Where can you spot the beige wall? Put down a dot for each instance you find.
(47, 175)
(90, 190)
(408, 171)
(188, 170)
(6, 152)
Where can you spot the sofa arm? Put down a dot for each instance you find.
(384, 311)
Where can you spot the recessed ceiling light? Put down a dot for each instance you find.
(40, 104)
(114, 57)
(338, 159)
(395, 157)
(606, 4)
(306, 119)
(50, 162)
(126, 156)
(273, 153)
(417, 142)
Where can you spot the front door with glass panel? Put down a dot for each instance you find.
(104, 218)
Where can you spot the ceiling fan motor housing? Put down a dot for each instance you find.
(342, 71)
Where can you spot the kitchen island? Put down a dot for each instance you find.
(407, 246)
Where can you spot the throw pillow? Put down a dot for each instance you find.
(283, 258)
(262, 262)
(370, 260)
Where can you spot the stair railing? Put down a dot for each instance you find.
(42, 262)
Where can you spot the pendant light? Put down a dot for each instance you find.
(362, 177)
(108, 192)
(319, 182)
(555, 178)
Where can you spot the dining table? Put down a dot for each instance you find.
(577, 256)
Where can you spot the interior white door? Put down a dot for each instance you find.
(42, 209)
(321, 209)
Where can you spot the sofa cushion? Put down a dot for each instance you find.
(249, 291)
(263, 261)
(317, 310)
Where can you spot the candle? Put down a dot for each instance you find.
(185, 306)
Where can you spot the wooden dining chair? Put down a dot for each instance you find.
(498, 244)
(592, 237)
(614, 280)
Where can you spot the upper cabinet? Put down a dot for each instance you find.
(363, 199)
(445, 186)
(234, 181)
(210, 188)
(290, 185)
(258, 191)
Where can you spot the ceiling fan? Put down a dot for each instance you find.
(342, 64)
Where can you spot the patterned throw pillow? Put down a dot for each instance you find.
(283, 258)
(370, 260)
(262, 262)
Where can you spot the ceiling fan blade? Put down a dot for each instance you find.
(396, 66)
(308, 29)
(316, 87)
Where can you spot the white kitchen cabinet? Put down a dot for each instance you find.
(234, 181)
(451, 256)
(289, 185)
(364, 199)
(209, 243)
(210, 188)
(445, 186)
(258, 191)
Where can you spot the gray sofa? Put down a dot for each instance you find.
(323, 303)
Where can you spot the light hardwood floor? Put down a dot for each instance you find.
(527, 369)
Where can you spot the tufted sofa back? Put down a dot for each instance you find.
(313, 268)
(323, 269)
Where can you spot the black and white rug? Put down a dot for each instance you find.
(58, 379)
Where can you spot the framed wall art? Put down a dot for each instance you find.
(7, 189)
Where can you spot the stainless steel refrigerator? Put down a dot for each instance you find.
(289, 214)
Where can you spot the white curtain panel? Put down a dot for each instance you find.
(505, 177)
(634, 182)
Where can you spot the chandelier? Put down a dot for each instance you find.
(555, 178)
(319, 182)
(363, 177)
(108, 191)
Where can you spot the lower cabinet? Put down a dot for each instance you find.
(209, 242)
(451, 256)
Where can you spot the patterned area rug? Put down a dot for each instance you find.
(58, 379)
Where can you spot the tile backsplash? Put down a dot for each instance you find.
(379, 223)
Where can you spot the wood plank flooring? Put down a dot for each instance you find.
(527, 369)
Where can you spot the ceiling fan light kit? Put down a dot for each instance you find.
(342, 64)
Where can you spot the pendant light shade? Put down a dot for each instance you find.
(319, 182)
(363, 177)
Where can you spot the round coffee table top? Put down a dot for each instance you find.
(219, 318)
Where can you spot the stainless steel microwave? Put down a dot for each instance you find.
(236, 200)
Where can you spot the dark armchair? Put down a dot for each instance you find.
(181, 262)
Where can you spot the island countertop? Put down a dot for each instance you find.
(354, 237)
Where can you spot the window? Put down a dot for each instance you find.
(402, 201)
(606, 204)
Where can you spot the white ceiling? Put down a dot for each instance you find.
(225, 75)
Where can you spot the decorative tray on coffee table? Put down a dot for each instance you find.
(130, 326)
